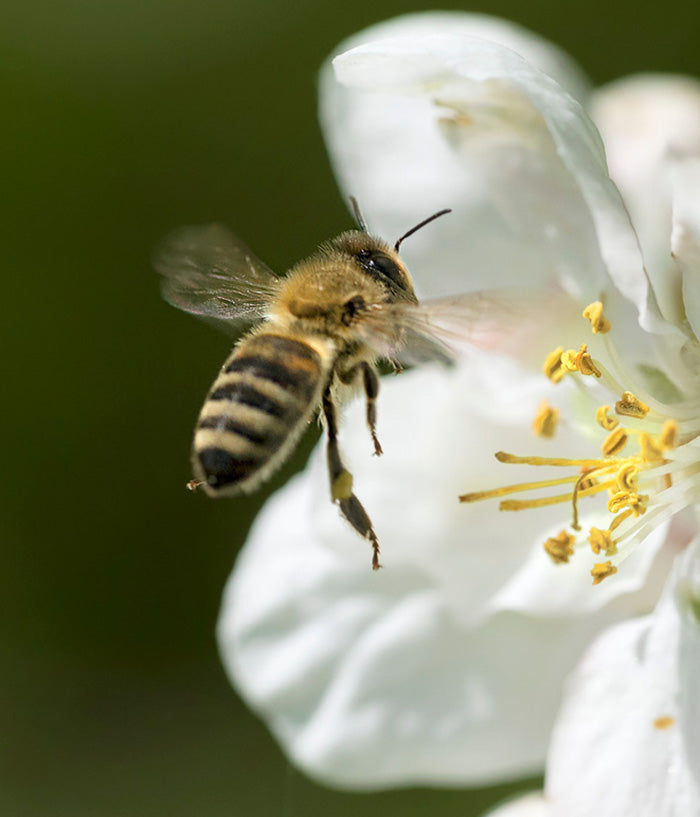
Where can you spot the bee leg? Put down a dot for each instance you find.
(371, 391)
(356, 515)
(371, 384)
(341, 483)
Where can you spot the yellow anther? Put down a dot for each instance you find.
(580, 361)
(637, 503)
(568, 360)
(664, 722)
(552, 367)
(614, 442)
(594, 313)
(604, 419)
(649, 448)
(546, 420)
(627, 477)
(458, 118)
(342, 486)
(560, 548)
(669, 434)
(601, 540)
(631, 406)
(602, 570)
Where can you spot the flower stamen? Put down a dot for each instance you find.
(601, 540)
(594, 313)
(604, 419)
(614, 442)
(652, 450)
(546, 420)
(560, 548)
(478, 496)
(602, 570)
(580, 361)
(552, 366)
(628, 499)
(633, 481)
(620, 476)
(631, 406)
(669, 435)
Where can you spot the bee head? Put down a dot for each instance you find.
(379, 261)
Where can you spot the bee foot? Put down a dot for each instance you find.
(375, 551)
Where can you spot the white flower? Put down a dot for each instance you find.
(627, 738)
(446, 667)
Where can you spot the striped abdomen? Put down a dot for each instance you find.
(255, 412)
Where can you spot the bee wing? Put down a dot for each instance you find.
(441, 329)
(210, 272)
(403, 332)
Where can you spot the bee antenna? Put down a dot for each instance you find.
(422, 224)
(358, 214)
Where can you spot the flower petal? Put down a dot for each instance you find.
(406, 675)
(685, 238)
(470, 123)
(541, 587)
(543, 54)
(645, 120)
(627, 739)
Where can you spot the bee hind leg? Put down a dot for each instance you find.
(341, 483)
(352, 510)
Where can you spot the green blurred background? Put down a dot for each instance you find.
(122, 120)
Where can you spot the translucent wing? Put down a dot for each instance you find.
(442, 329)
(210, 272)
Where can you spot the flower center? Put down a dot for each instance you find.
(635, 467)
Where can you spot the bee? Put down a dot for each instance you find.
(321, 330)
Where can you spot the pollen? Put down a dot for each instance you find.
(602, 570)
(669, 434)
(631, 406)
(580, 361)
(628, 499)
(604, 419)
(628, 476)
(342, 486)
(622, 479)
(663, 722)
(594, 313)
(552, 366)
(546, 420)
(601, 541)
(652, 449)
(560, 548)
(568, 360)
(614, 442)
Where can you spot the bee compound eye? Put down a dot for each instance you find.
(379, 264)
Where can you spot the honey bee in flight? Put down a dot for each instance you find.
(321, 330)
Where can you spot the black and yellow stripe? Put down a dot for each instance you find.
(255, 410)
